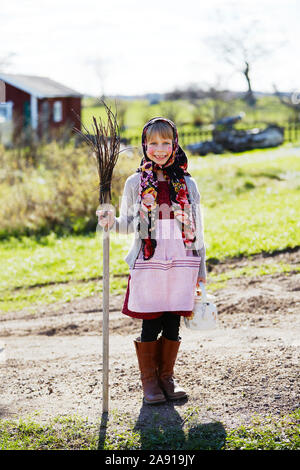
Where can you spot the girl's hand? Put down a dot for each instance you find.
(201, 279)
(105, 218)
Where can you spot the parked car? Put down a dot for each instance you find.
(226, 137)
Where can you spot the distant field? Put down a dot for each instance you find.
(186, 114)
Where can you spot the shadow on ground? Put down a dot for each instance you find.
(162, 427)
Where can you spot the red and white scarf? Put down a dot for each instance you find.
(174, 170)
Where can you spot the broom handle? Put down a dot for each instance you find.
(105, 322)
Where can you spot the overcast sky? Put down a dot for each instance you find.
(147, 47)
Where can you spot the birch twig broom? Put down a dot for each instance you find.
(105, 144)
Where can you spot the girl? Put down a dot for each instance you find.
(160, 204)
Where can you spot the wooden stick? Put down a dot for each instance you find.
(105, 144)
(105, 322)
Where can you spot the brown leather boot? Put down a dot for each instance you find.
(169, 350)
(147, 354)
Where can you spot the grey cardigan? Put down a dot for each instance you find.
(127, 221)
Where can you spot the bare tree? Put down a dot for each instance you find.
(242, 47)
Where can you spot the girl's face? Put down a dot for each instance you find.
(159, 149)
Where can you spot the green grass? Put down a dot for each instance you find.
(67, 433)
(57, 269)
(122, 432)
(268, 433)
(250, 204)
(261, 223)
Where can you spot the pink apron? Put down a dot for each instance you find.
(168, 280)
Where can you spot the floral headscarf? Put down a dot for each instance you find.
(174, 171)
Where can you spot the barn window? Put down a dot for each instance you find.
(57, 111)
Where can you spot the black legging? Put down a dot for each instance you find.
(168, 324)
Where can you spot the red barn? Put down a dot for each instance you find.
(41, 104)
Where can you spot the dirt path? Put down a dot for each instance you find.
(51, 361)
